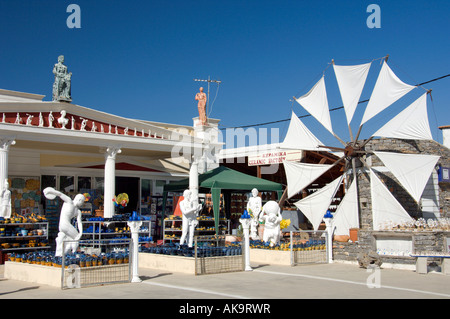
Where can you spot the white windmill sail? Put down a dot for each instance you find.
(316, 103)
(412, 170)
(412, 123)
(298, 137)
(351, 80)
(384, 205)
(346, 215)
(388, 89)
(300, 175)
(315, 205)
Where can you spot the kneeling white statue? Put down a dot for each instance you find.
(271, 215)
(70, 209)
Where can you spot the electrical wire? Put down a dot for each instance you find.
(333, 109)
(212, 104)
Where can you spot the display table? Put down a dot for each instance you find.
(422, 263)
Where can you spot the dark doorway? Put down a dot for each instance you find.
(129, 185)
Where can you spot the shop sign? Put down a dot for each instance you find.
(276, 157)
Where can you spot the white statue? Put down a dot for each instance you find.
(189, 208)
(5, 201)
(18, 119)
(29, 119)
(70, 209)
(94, 127)
(73, 123)
(41, 120)
(63, 120)
(50, 119)
(254, 206)
(271, 215)
(83, 124)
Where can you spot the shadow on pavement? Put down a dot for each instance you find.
(143, 278)
(18, 290)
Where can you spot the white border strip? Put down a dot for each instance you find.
(209, 292)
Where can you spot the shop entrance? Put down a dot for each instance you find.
(129, 185)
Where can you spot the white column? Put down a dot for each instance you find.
(193, 178)
(110, 180)
(134, 228)
(246, 226)
(329, 230)
(5, 143)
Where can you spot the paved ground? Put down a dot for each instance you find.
(320, 281)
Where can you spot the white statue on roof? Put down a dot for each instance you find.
(62, 120)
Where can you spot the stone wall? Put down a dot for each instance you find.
(429, 241)
(422, 241)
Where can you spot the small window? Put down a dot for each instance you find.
(84, 182)
(66, 184)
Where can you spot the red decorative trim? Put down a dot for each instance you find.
(10, 117)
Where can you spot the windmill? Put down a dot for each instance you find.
(411, 170)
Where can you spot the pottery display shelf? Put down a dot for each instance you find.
(23, 236)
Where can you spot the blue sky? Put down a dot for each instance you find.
(138, 59)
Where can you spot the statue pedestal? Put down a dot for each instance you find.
(209, 132)
(201, 131)
(62, 99)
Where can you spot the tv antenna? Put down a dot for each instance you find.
(209, 84)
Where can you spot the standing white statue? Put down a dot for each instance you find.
(189, 208)
(271, 215)
(70, 209)
(254, 206)
(18, 119)
(50, 119)
(41, 120)
(5, 201)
